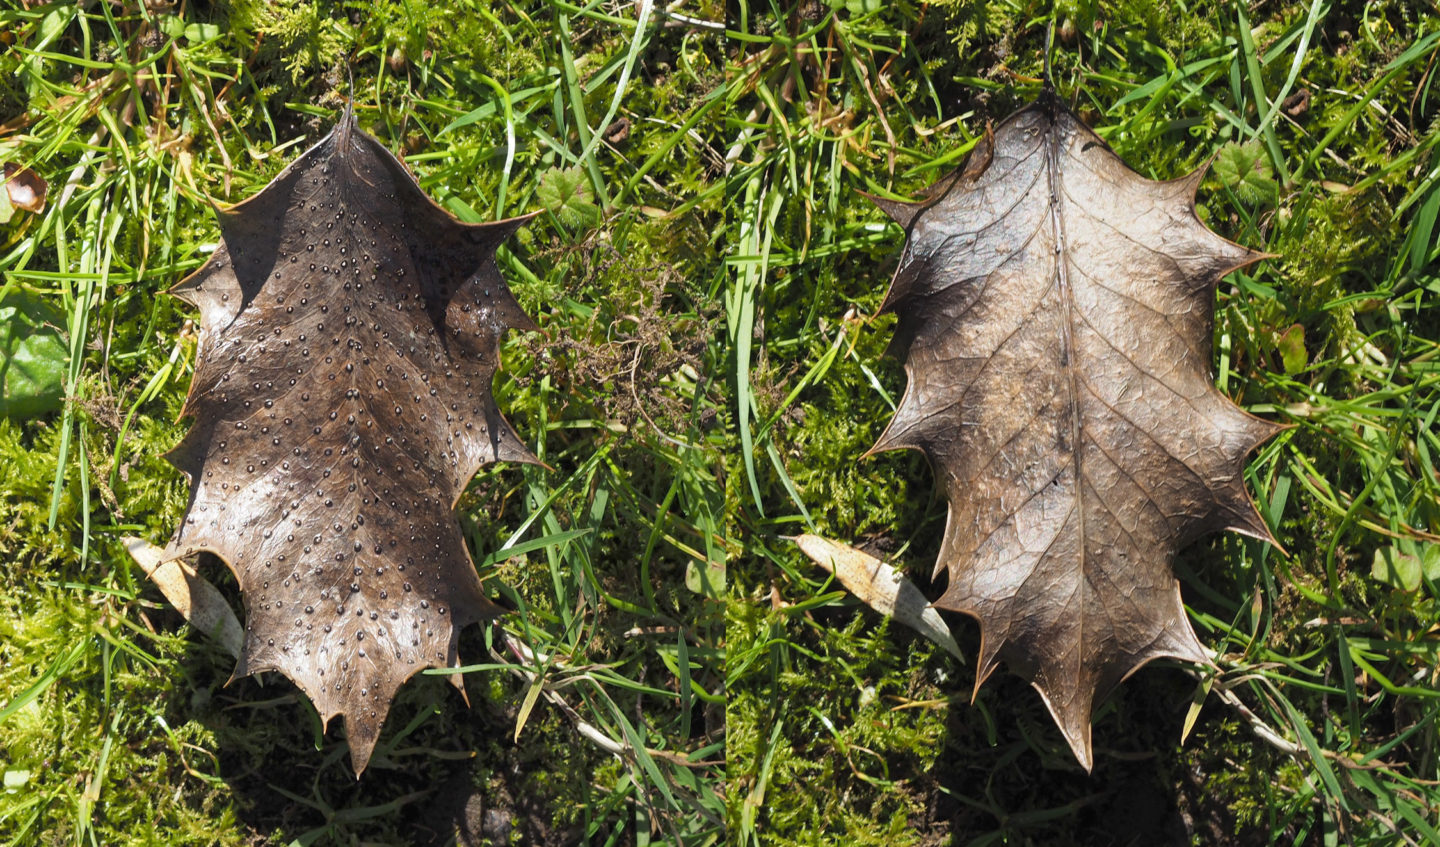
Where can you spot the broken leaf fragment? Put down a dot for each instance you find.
(349, 333)
(881, 587)
(1055, 316)
(24, 189)
(192, 595)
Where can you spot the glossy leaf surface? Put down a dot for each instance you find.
(349, 333)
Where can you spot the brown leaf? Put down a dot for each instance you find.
(25, 188)
(349, 334)
(1055, 310)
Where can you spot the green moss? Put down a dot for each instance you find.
(78, 736)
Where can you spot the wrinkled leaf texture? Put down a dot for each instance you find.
(349, 335)
(1055, 312)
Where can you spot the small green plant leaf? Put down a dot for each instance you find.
(706, 578)
(33, 356)
(566, 194)
(1403, 565)
(1291, 344)
(855, 7)
(194, 33)
(1243, 168)
(1396, 569)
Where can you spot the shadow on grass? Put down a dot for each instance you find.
(443, 774)
(1005, 774)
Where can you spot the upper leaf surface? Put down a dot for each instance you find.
(349, 335)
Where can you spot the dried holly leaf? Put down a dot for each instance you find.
(349, 334)
(1055, 309)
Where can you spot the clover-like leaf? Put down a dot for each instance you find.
(567, 194)
(1245, 170)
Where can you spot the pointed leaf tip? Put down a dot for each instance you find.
(900, 211)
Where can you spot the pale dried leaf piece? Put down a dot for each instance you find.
(1055, 312)
(349, 334)
(191, 594)
(880, 587)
